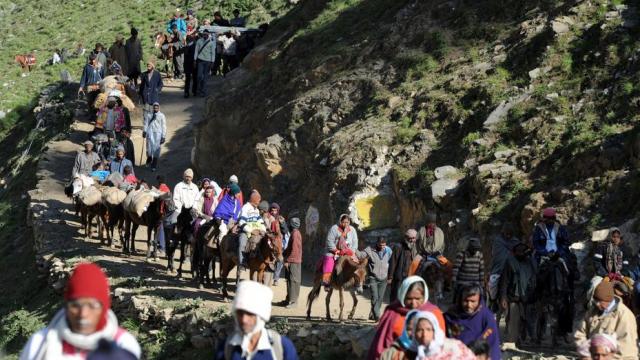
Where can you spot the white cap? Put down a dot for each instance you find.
(233, 179)
(188, 172)
(253, 298)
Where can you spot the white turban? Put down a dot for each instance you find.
(253, 298)
(188, 172)
(233, 179)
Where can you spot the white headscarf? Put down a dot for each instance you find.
(253, 298)
(406, 284)
(436, 345)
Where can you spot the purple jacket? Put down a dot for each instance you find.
(478, 326)
(228, 208)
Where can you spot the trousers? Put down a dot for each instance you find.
(378, 288)
(203, 68)
(293, 273)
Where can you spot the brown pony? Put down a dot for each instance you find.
(161, 42)
(347, 275)
(26, 61)
(269, 250)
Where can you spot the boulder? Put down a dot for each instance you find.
(560, 27)
(361, 340)
(445, 172)
(442, 188)
(269, 155)
(498, 115)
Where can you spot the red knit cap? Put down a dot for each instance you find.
(88, 280)
(549, 212)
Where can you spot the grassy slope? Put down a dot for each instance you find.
(591, 84)
(43, 26)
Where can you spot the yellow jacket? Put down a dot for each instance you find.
(620, 321)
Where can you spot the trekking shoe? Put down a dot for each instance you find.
(291, 306)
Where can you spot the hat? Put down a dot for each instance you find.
(156, 104)
(264, 205)
(253, 298)
(119, 149)
(604, 291)
(88, 280)
(190, 12)
(188, 172)
(295, 223)
(87, 142)
(549, 212)
(275, 205)
(234, 189)
(111, 99)
(411, 233)
(233, 179)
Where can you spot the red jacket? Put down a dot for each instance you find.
(293, 254)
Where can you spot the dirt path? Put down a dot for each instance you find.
(58, 229)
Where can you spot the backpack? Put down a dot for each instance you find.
(276, 346)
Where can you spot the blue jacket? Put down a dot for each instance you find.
(228, 208)
(91, 75)
(182, 25)
(288, 352)
(150, 89)
(540, 241)
(118, 166)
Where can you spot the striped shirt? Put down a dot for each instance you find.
(469, 268)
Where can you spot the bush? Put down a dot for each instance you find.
(17, 327)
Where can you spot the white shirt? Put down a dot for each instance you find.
(185, 195)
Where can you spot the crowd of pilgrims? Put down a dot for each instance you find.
(412, 326)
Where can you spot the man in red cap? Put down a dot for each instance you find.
(86, 319)
(551, 243)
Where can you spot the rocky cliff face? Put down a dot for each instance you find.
(483, 111)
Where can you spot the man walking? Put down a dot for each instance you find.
(85, 160)
(118, 53)
(378, 272)
(154, 130)
(134, 56)
(85, 320)
(190, 69)
(205, 56)
(150, 88)
(251, 339)
(401, 258)
(178, 42)
(293, 264)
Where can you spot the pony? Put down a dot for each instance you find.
(347, 275)
(26, 61)
(88, 212)
(161, 42)
(204, 255)
(179, 235)
(553, 295)
(151, 218)
(433, 272)
(269, 250)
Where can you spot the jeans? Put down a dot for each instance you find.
(279, 266)
(203, 73)
(242, 245)
(378, 287)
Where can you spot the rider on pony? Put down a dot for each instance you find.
(228, 209)
(342, 239)
(611, 262)
(203, 209)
